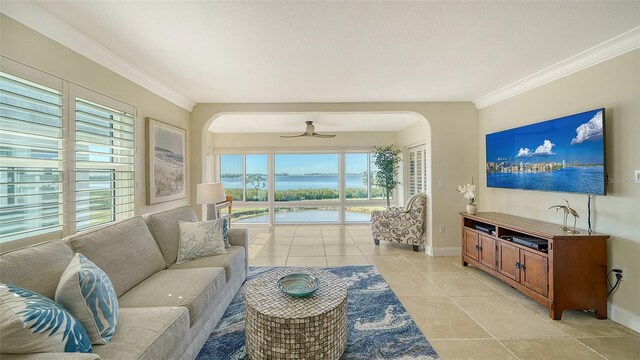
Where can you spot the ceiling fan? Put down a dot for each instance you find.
(311, 131)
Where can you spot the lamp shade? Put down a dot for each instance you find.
(210, 193)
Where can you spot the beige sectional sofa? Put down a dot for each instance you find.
(167, 311)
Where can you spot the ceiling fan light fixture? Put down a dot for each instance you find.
(310, 132)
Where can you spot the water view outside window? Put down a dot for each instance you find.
(304, 177)
(256, 182)
(231, 175)
(356, 179)
(299, 179)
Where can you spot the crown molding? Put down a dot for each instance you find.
(49, 25)
(609, 49)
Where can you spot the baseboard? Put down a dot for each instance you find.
(442, 251)
(624, 317)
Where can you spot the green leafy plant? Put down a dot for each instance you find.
(387, 159)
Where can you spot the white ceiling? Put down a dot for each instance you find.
(344, 51)
(324, 123)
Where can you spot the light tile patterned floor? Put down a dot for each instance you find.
(465, 313)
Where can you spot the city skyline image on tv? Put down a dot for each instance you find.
(564, 155)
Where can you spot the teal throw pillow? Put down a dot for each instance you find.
(225, 232)
(86, 291)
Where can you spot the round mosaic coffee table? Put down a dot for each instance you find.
(279, 326)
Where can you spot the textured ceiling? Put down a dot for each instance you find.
(344, 51)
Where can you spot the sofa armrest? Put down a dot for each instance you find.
(51, 356)
(240, 237)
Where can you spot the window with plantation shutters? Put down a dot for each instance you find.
(31, 158)
(104, 164)
(417, 170)
(67, 156)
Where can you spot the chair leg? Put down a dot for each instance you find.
(416, 248)
(376, 241)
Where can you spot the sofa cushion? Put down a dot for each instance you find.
(37, 268)
(86, 291)
(232, 262)
(146, 333)
(125, 251)
(164, 228)
(191, 288)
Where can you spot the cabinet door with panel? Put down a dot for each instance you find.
(508, 260)
(470, 244)
(534, 272)
(487, 256)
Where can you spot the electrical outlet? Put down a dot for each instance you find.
(624, 273)
(636, 178)
(441, 183)
(442, 229)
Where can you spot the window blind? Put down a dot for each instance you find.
(417, 170)
(31, 158)
(105, 164)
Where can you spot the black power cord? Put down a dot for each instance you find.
(618, 278)
(589, 211)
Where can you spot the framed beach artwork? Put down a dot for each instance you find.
(167, 162)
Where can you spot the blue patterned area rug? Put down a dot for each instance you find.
(379, 326)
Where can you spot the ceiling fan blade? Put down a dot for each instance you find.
(293, 136)
(324, 136)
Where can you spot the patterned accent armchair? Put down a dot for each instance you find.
(403, 225)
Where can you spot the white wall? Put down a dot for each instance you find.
(26, 46)
(414, 134)
(615, 85)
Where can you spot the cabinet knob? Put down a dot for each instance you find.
(478, 247)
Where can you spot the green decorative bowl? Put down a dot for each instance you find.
(298, 285)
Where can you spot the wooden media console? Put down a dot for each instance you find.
(571, 274)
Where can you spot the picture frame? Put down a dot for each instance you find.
(166, 162)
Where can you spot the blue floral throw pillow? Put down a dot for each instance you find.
(86, 291)
(33, 323)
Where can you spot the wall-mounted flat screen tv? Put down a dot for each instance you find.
(563, 155)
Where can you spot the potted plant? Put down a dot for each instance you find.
(469, 193)
(387, 159)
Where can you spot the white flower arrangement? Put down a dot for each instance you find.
(469, 193)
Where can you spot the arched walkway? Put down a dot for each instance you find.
(207, 146)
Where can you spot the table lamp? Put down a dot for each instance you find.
(210, 194)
